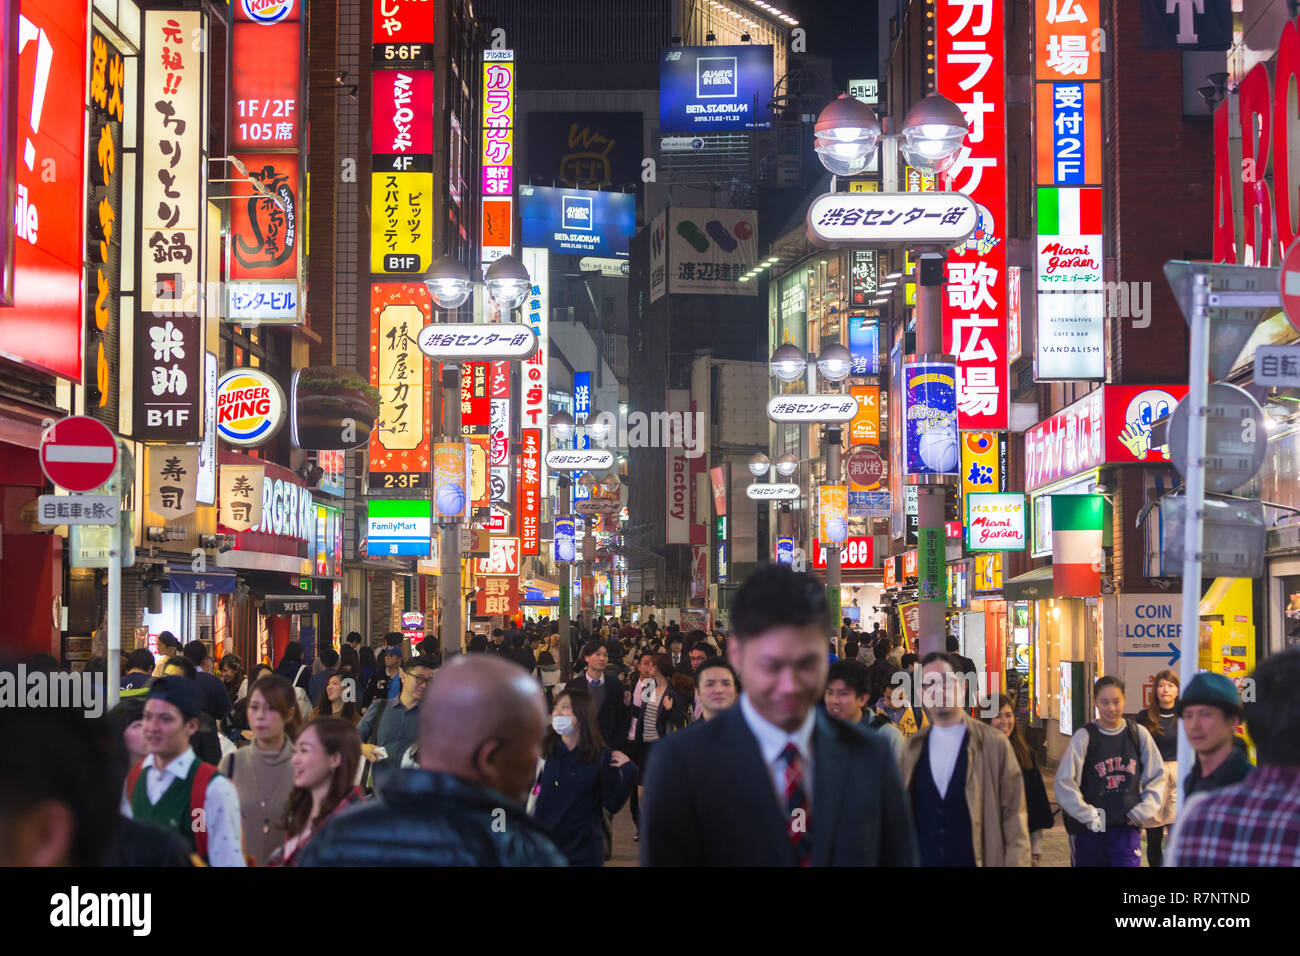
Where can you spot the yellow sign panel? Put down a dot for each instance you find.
(988, 572)
(982, 461)
(865, 427)
(401, 222)
(864, 186)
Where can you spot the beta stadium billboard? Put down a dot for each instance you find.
(577, 221)
(715, 89)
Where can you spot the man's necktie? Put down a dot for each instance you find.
(796, 806)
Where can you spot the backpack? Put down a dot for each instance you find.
(304, 702)
(1073, 826)
(198, 796)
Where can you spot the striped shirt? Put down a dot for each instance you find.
(650, 731)
(1252, 823)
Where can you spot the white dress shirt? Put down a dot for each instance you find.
(220, 807)
(772, 741)
(945, 744)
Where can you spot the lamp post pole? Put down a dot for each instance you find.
(588, 554)
(833, 452)
(566, 579)
(449, 583)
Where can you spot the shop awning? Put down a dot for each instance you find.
(185, 581)
(1035, 585)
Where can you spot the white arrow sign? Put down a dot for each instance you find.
(495, 342)
(772, 492)
(580, 460)
(891, 220)
(827, 409)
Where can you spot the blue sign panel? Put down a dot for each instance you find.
(581, 394)
(565, 546)
(579, 222)
(715, 89)
(1068, 132)
(930, 419)
(864, 344)
(785, 550)
(869, 504)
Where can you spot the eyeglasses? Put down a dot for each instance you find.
(421, 681)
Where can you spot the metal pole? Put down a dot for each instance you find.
(930, 495)
(449, 593)
(833, 451)
(1198, 386)
(588, 553)
(566, 579)
(114, 649)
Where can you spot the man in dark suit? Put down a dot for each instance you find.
(773, 781)
(602, 683)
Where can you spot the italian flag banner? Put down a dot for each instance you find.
(1078, 523)
(1069, 212)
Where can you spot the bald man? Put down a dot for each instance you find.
(481, 728)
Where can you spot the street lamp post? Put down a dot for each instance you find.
(846, 134)
(507, 284)
(561, 426)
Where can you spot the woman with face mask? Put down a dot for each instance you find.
(580, 780)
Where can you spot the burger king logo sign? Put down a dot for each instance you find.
(268, 11)
(250, 407)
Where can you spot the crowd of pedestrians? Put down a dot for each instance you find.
(752, 748)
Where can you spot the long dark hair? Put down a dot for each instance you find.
(1024, 756)
(337, 736)
(367, 657)
(350, 712)
(590, 742)
(1151, 716)
(280, 697)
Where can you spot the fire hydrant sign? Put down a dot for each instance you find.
(78, 454)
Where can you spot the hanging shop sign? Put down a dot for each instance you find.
(497, 156)
(241, 496)
(833, 513)
(104, 230)
(401, 122)
(565, 544)
(996, 521)
(533, 411)
(267, 75)
(865, 468)
(399, 442)
(826, 409)
(856, 554)
(475, 409)
(173, 472)
(865, 427)
(397, 527)
(864, 283)
(250, 407)
(930, 419)
(265, 242)
(450, 480)
(1071, 336)
(42, 236)
(530, 504)
(891, 220)
(1078, 553)
(498, 594)
(500, 342)
(402, 32)
(971, 70)
(983, 462)
(784, 550)
(864, 345)
(504, 557)
(168, 344)
(677, 488)
(581, 394)
(987, 574)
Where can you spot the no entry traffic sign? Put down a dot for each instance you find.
(78, 453)
(1290, 284)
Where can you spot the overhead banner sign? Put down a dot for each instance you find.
(772, 491)
(577, 221)
(497, 156)
(504, 341)
(42, 237)
(715, 89)
(399, 441)
(891, 220)
(826, 409)
(971, 71)
(580, 459)
(710, 249)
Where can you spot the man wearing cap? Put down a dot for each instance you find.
(173, 788)
(1211, 714)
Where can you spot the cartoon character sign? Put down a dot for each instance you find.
(1143, 409)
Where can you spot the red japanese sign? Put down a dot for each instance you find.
(530, 490)
(856, 554)
(475, 406)
(499, 379)
(265, 232)
(399, 441)
(266, 85)
(402, 21)
(971, 71)
(498, 594)
(402, 115)
(43, 327)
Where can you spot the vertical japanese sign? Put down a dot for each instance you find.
(864, 279)
(532, 374)
(399, 441)
(103, 229)
(168, 347)
(530, 506)
(1070, 340)
(173, 475)
(401, 136)
(972, 73)
(44, 43)
(865, 427)
(241, 496)
(475, 406)
(864, 345)
(581, 394)
(498, 594)
(983, 463)
(498, 154)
